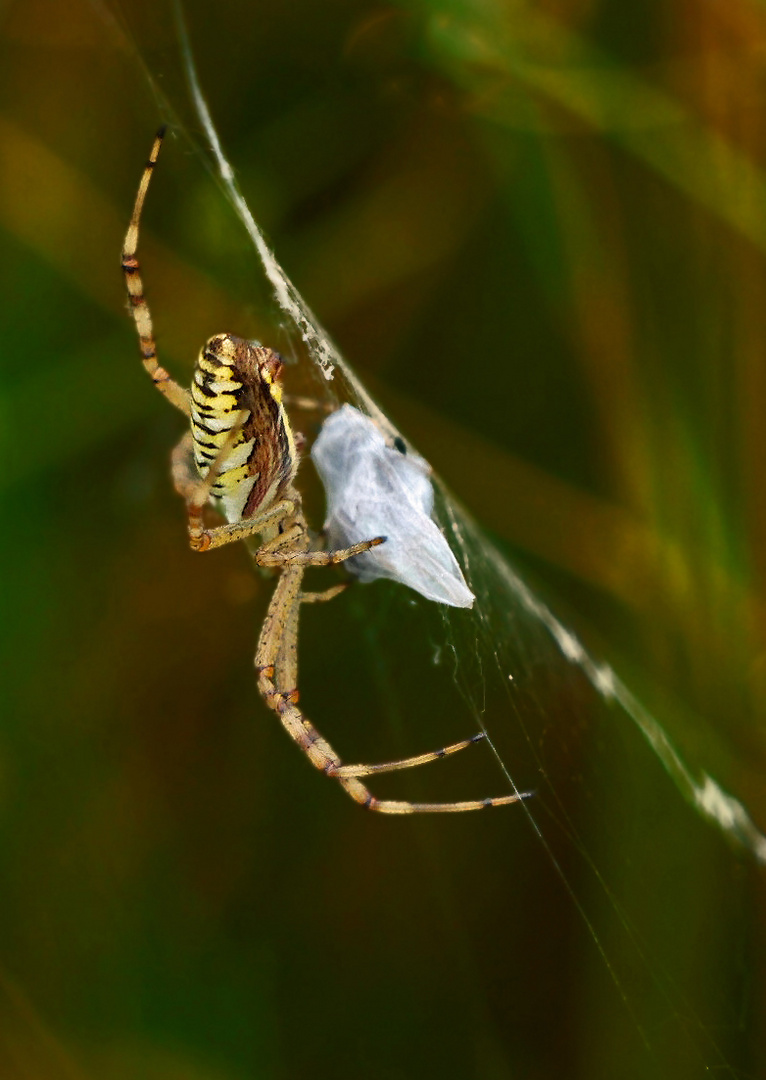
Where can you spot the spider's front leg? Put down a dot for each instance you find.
(139, 307)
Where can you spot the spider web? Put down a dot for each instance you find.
(486, 568)
(525, 679)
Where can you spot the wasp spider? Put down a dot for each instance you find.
(240, 453)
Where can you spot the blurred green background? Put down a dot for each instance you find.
(538, 233)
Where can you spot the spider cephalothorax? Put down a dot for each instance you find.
(242, 446)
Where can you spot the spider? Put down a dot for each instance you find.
(240, 454)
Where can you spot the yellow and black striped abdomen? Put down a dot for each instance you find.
(236, 388)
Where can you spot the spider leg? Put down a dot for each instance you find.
(286, 664)
(182, 467)
(175, 394)
(405, 763)
(196, 493)
(286, 661)
(321, 597)
(356, 770)
(276, 664)
(273, 556)
(203, 539)
(324, 758)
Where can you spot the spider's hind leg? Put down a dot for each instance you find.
(345, 771)
(324, 596)
(276, 662)
(324, 758)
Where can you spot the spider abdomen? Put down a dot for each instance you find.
(236, 398)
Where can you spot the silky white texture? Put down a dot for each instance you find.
(375, 490)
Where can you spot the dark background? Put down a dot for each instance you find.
(537, 232)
